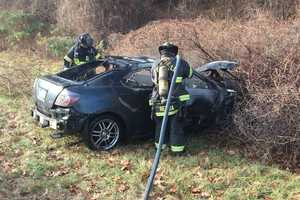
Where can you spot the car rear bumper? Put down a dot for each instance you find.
(64, 120)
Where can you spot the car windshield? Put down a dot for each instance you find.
(87, 72)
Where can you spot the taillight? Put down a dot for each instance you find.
(66, 99)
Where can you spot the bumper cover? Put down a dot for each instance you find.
(60, 119)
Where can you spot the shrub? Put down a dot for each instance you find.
(17, 26)
(269, 124)
(58, 46)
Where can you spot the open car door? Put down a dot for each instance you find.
(204, 97)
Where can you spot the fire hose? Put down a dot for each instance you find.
(162, 133)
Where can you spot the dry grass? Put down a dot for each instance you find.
(17, 73)
(34, 166)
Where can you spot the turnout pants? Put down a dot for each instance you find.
(174, 133)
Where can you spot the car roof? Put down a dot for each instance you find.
(130, 62)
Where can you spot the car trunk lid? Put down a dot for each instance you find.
(46, 90)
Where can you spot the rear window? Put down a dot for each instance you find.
(86, 72)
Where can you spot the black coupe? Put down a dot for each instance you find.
(107, 100)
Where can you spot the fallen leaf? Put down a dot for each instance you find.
(12, 125)
(111, 160)
(296, 196)
(115, 152)
(123, 188)
(73, 189)
(1, 157)
(219, 193)
(211, 179)
(200, 174)
(267, 198)
(60, 172)
(117, 178)
(205, 195)
(158, 181)
(96, 196)
(18, 152)
(7, 166)
(126, 166)
(173, 189)
(145, 176)
(196, 190)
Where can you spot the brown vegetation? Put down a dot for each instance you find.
(268, 52)
(102, 17)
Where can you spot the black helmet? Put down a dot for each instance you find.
(85, 40)
(168, 48)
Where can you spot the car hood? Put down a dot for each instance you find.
(218, 65)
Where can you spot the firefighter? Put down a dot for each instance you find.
(162, 73)
(82, 52)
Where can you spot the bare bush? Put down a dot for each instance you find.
(102, 17)
(270, 124)
(45, 9)
(268, 52)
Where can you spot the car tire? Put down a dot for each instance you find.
(103, 133)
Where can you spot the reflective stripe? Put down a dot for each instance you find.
(67, 58)
(179, 79)
(172, 67)
(150, 102)
(78, 62)
(162, 147)
(185, 97)
(177, 148)
(162, 108)
(98, 56)
(191, 72)
(160, 114)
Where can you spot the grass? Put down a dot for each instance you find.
(32, 165)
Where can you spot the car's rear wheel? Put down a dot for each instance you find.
(103, 133)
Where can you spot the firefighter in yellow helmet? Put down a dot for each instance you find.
(162, 73)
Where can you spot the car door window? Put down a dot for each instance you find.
(196, 83)
(140, 79)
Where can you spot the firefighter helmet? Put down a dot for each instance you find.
(86, 40)
(168, 48)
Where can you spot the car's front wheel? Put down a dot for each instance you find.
(103, 133)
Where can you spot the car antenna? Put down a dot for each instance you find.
(162, 133)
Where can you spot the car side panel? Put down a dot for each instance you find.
(106, 94)
(203, 102)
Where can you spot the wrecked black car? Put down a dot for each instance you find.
(107, 100)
